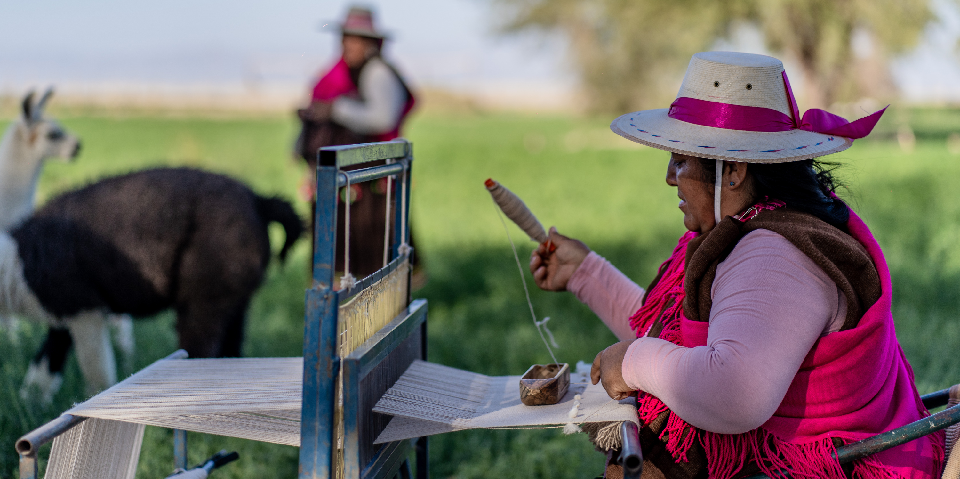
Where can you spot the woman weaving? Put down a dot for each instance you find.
(766, 340)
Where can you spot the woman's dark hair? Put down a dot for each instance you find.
(805, 185)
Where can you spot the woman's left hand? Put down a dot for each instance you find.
(607, 368)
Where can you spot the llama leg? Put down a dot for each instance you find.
(206, 327)
(45, 373)
(233, 336)
(11, 326)
(122, 326)
(94, 350)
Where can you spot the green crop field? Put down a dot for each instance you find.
(574, 174)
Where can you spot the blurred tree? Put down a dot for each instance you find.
(819, 35)
(629, 53)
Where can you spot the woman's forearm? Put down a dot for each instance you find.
(608, 292)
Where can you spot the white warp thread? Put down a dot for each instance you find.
(249, 398)
(432, 399)
(96, 449)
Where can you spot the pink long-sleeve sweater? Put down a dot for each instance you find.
(770, 304)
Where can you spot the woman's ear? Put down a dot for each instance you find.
(734, 175)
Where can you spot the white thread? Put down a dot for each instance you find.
(543, 324)
(716, 192)
(403, 206)
(571, 428)
(386, 223)
(347, 281)
(524, 282)
(346, 233)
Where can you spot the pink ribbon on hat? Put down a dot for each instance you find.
(755, 118)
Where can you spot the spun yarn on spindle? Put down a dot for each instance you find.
(516, 210)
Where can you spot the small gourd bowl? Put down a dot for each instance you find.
(544, 384)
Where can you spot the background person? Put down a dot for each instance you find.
(361, 99)
(767, 339)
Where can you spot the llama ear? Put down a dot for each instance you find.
(28, 107)
(42, 104)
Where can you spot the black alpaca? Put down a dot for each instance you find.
(145, 242)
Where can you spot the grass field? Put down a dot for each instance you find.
(574, 174)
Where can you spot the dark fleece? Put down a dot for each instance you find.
(155, 239)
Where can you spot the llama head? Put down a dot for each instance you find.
(39, 138)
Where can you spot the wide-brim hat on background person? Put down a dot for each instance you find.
(740, 107)
(360, 22)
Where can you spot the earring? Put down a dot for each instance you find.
(731, 183)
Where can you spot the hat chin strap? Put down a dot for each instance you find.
(716, 192)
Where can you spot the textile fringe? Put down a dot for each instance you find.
(604, 435)
(729, 454)
(665, 294)
(96, 449)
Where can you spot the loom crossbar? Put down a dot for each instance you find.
(369, 174)
(350, 155)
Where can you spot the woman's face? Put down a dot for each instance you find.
(696, 195)
(356, 49)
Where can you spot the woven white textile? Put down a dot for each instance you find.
(96, 449)
(250, 398)
(432, 399)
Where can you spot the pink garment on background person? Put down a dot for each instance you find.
(337, 82)
(334, 83)
(730, 388)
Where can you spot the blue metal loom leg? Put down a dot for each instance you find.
(320, 363)
(180, 459)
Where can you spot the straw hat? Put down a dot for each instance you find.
(739, 107)
(359, 22)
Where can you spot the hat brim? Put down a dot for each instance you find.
(654, 128)
(353, 31)
(364, 33)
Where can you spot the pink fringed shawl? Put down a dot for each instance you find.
(853, 384)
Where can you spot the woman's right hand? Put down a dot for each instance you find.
(553, 269)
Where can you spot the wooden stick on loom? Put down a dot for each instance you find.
(517, 211)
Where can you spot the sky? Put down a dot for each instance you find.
(97, 45)
(124, 44)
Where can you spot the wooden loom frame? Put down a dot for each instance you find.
(318, 446)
